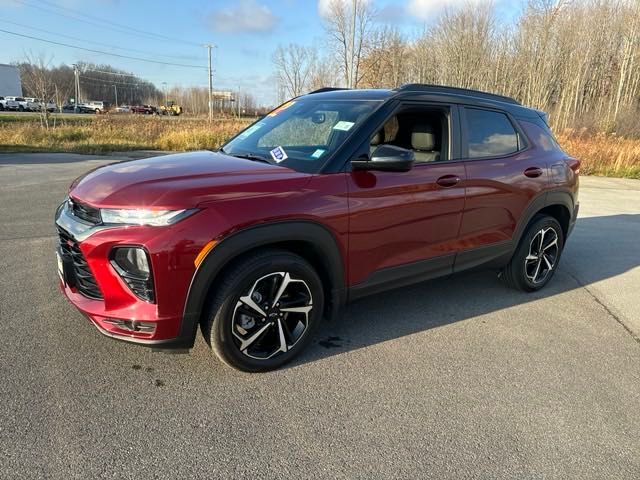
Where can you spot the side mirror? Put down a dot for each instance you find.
(387, 158)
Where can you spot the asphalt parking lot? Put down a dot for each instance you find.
(456, 378)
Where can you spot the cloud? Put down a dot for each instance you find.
(244, 16)
(426, 9)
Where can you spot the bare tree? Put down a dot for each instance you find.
(293, 64)
(37, 78)
(349, 24)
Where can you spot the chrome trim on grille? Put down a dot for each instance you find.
(78, 229)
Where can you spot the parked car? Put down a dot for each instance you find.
(123, 109)
(93, 107)
(21, 101)
(68, 108)
(6, 103)
(330, 197)
(144, 109)
(32, 104)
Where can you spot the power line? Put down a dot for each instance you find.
(105, 23)
(102, 52)
(110, 82)
(91, 41)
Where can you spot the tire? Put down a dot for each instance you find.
(528, 270)
(21, 108)
(257, 342)
(1, 108)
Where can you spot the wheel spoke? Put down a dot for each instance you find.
(248, 301)
(535, 274)
(550, 244)
(283, 341)
(549, 264)
(283, 286)
(305, 309)
(531, 257)
(244, 344)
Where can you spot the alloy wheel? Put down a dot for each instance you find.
(272, 317)
(542, 256)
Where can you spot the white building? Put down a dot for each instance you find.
(10, 81)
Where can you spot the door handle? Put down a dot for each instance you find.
(448, 181)
(533, 172)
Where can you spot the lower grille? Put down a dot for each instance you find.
(83, 279)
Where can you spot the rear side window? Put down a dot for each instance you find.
(490, 134)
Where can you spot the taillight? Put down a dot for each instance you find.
(574, 164)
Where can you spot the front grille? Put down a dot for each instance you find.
(85, 212)
(82, 279)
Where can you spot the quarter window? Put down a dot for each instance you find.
(490, 134)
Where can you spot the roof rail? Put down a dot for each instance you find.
(420, 87)
(327, 89)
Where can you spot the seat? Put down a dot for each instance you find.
(423, 143)
(376, 140)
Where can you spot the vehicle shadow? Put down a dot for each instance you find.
(598, 249)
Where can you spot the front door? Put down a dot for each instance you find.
(403, 225)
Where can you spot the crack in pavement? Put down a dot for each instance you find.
(603, 305)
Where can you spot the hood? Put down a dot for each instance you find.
(183, 180)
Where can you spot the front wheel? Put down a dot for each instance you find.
(537, 256)
(264, 310)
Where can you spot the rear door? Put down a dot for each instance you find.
(503, 175)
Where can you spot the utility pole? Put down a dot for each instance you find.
(164, 87)
(115, 87)
(76, 87)
(209, 47)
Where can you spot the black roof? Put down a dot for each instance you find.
(430, 92)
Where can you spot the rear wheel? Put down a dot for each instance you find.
(537, 256)
(264, 310)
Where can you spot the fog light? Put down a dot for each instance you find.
(132, 264)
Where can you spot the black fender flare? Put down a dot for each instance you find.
(316, 235)
(541, 201)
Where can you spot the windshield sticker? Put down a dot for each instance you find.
(318, 153)
(278, 154)
(281, 108)
(342, 125)
(250, 130)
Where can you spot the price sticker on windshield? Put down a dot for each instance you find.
(344, 126)
(278, 154)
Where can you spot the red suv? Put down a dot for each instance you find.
(332, 196)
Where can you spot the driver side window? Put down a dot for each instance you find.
(424, 130)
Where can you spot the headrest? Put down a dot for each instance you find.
(378, 138)
(423, 137)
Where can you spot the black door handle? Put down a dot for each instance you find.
(533, 172)
(448, 181)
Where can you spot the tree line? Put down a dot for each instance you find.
(117, 87)
(578, 60)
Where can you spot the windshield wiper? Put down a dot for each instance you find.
(249, 156)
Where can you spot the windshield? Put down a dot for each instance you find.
(301, 134)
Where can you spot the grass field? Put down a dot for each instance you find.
(601, 154)
(108, 133)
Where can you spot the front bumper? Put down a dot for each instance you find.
(117, 312)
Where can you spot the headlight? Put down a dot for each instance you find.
(127, 216)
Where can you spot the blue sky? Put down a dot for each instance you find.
(246, 32)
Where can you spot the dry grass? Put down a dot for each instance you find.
(88, 134)
(602, 154)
